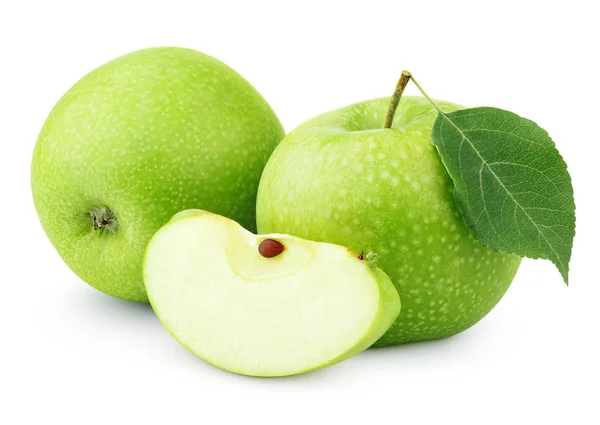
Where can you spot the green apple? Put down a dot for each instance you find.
(137, 140)
(267, 305)
(343, 178)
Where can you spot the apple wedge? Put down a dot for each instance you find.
(264, 305)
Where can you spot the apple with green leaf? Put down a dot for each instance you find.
(372, 180)
(264, 305)
(135, 141)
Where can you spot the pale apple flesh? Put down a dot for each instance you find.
(310, 306)
(341, 178)
(135, 141)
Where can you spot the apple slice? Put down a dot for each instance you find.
(266, 305)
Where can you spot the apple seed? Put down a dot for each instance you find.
(270, 248)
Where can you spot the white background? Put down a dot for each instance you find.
(72, 355)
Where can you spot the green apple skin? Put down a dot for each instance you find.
(142, 137)
(341, 178)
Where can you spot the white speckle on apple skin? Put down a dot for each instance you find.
(147, 135)
(408, 216)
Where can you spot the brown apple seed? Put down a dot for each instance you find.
(270, 248)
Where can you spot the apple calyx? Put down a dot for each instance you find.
(395, 100)
(104, 218)
(270, 248)
(372, 258)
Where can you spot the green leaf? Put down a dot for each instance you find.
(510, 183)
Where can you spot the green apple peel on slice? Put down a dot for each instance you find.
(264, 305)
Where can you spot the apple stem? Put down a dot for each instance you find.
(104, 218)
(402, 82)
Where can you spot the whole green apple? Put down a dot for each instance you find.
(343, 178)
(137, 140)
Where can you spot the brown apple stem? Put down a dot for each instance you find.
(402, 82)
